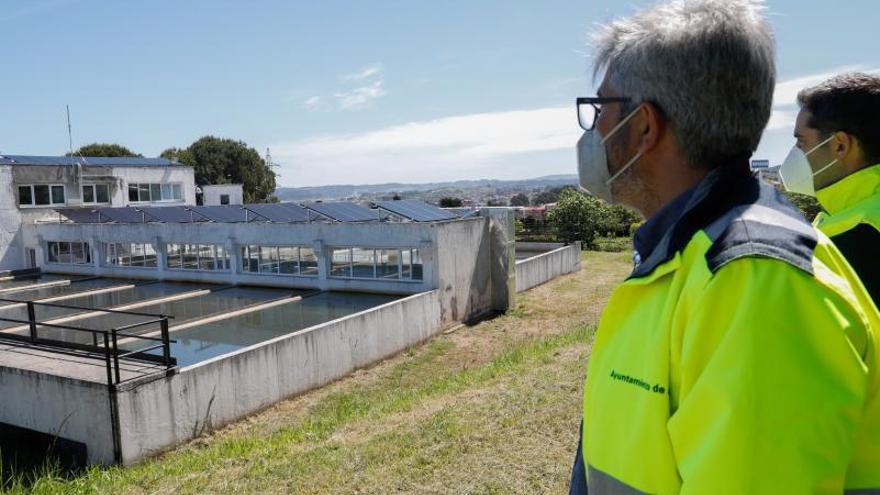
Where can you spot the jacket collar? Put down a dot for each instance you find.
(851, 190)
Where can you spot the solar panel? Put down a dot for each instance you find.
(80, 215)
(172, 214)
(345, 212)
(124, 215)
(417, 211)
(224, 213)
(279, 212)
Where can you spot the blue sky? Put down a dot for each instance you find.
(354, 92)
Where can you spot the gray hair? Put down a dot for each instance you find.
(708, 65)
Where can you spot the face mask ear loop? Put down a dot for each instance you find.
(624, 168)
(823, 143)
(620, 124)
(826, 167)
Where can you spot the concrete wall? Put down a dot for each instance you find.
(535, 271)
(211, 194)
(69, 408)
(160, 414)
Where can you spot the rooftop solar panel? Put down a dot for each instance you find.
(345, 212)
(224, 213)
(279, 212)
(124, 215)
(417, 211)
(80, 215)
(173, 214)
(120, 161)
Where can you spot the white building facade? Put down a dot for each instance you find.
(33, 187)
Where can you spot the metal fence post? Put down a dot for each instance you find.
(115, 355)
(107, 359)
(166, 344)
(32, 320)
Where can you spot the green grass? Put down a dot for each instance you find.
(491, 408)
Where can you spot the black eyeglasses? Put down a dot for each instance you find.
(588, 108)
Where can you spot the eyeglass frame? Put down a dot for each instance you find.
(595, 101)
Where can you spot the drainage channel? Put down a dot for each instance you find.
(77, 288)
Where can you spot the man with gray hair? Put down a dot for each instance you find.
(741, 354)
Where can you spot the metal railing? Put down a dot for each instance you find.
(104, 343)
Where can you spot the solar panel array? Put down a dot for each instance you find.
(417, 211)
(280, 212)
(174, 214)
(260, 212)
(223, 214)
(345, 212)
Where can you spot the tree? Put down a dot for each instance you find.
(104, 150)
(226, 161)
(519, 200)
(576, 217)
(617, 220)
(450, 202)
(178, 155)
(496, 202)
(550, 195)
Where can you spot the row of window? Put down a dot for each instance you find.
(279, 260)
(55, 194)
(386, 264)
(77, 253)
(141, 193)
(196, 257)
(130, 254)
(349, 262)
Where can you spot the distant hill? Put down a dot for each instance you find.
(348, 191)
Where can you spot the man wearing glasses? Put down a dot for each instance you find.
(740, 355)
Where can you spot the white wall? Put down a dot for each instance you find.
(211, 194)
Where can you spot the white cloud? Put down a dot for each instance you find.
(520, 143)
(312, 102)
(452, 147)
(786, 91)
(362, 96)
(365, 73)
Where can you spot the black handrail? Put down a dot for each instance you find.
(109, 351)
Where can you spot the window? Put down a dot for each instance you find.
(383, 264)
(340, 263)
(141, 193)
(130, 254)
(95, 193)
(279, 260)
(224, 199)
(77, 253)
(212, 257)
(41, 195)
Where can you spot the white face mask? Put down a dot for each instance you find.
(796, 173)
(593, 174)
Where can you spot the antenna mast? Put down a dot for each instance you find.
(69, 132)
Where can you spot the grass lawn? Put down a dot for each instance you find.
(490, 408)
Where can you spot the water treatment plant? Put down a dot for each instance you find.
(135, 323)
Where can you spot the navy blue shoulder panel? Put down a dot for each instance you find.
(761, 230)
(743, 216)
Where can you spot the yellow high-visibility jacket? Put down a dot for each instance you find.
(739, 357)
(852, 220)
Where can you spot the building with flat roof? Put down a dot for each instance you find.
(33, 187)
